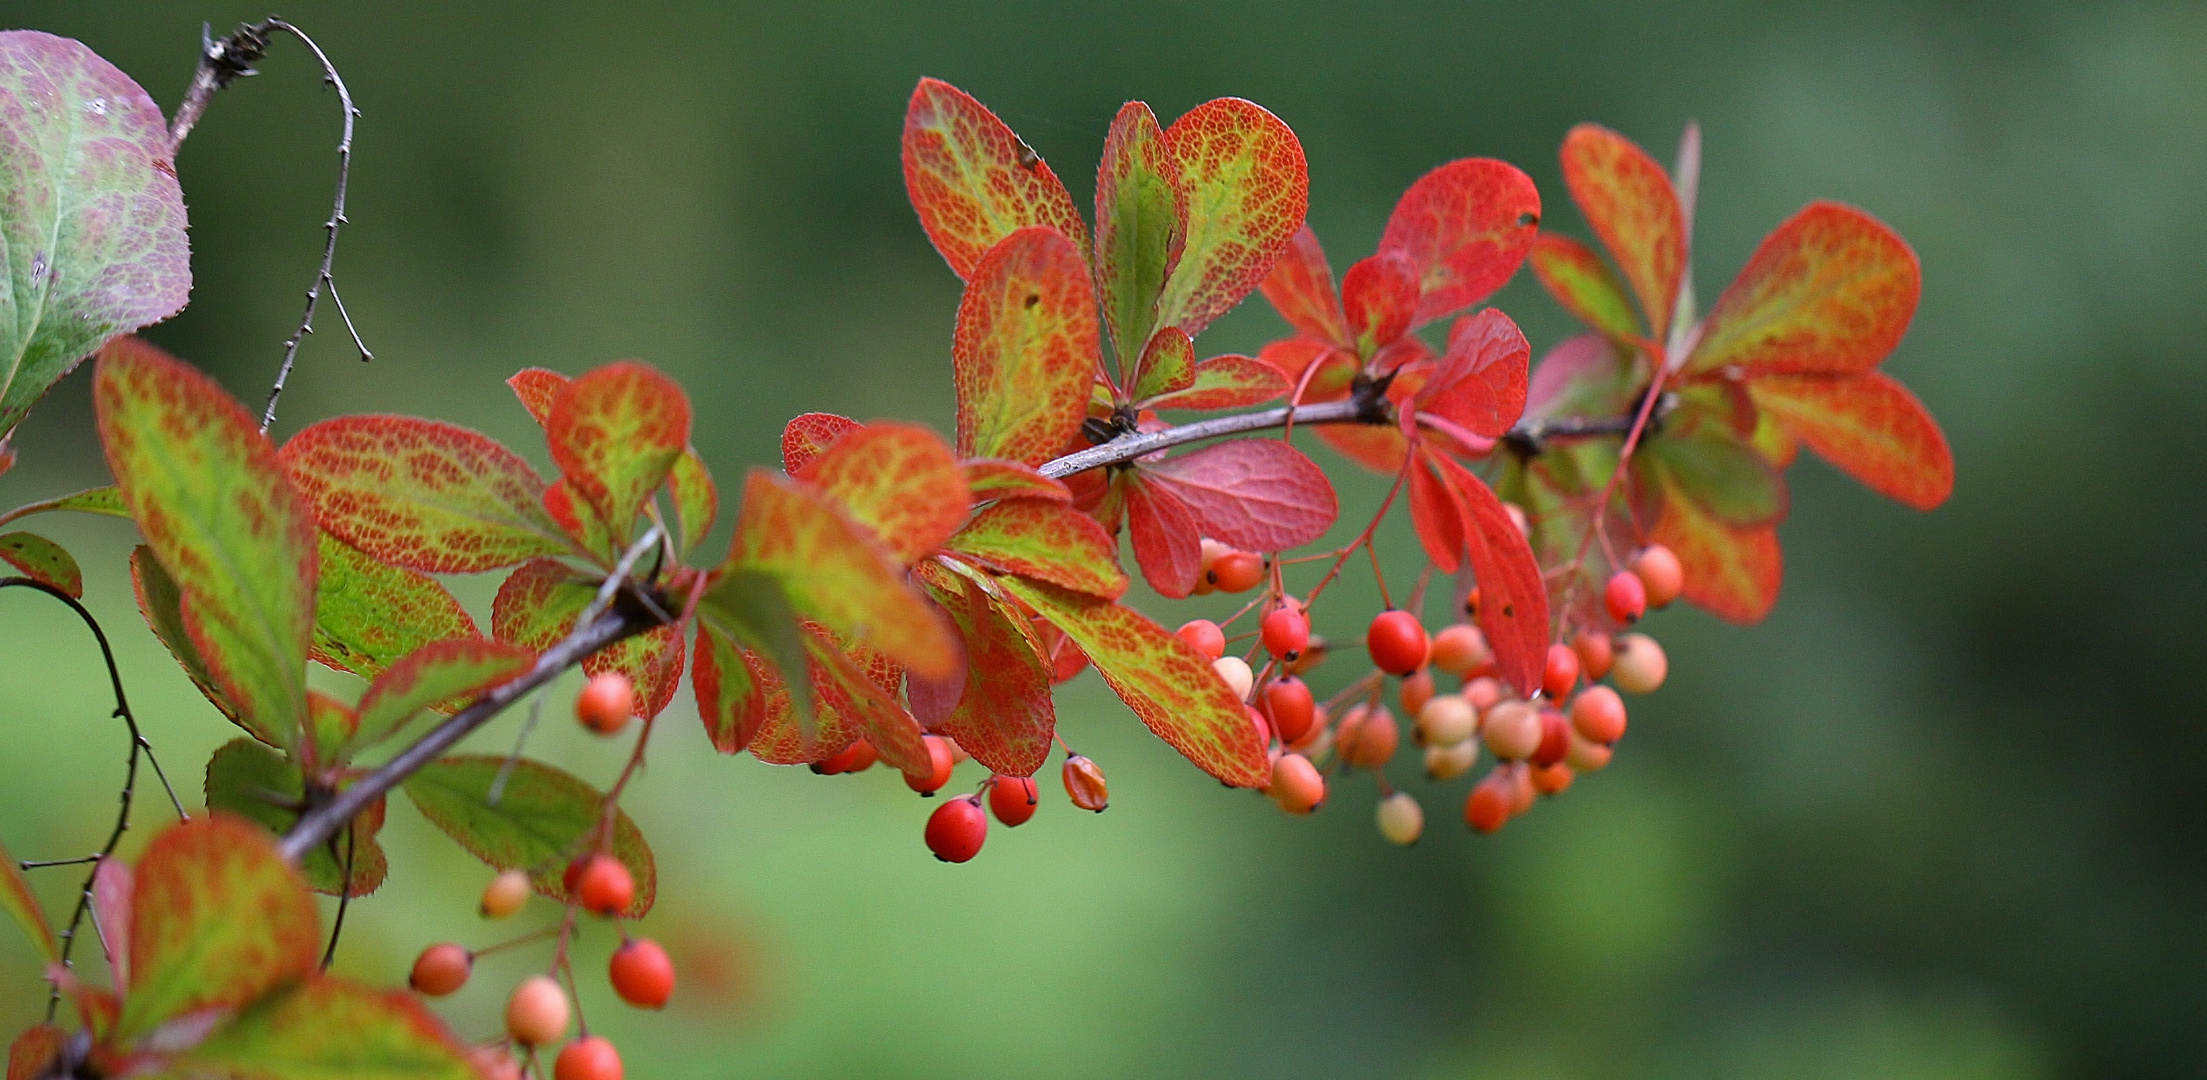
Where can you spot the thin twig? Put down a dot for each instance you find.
(344, 899)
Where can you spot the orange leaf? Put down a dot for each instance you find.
(899, 480)
(1026, 350)
(1830, 292)
(974, 182)
(1628, 200)
(1867, 425)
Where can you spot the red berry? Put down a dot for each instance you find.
(1641, 665)
(642, 974)
(1658, 569)
(1084, 784)
(940, 760)
(1417, 689)
(537, 1012)
(1599, 714)
(1488, 805)
(1461, 650)
(1285, 631)
(1288, 700)
(1236, 571)
(1207, 638)
(1397, 642)
(956, 829)
(1596, 653)
(859, 756)
(1561, 672)
(1258, 721)
(1368, 737)
(588, 1058)
(1296, 785)
(605, 887)
(1013, 798)
(1553, 779)
(505, 894)
(441, 969)
(1588, 756)
(1312, 655)
(606, 702)
(1626, 596)
(1555, 739)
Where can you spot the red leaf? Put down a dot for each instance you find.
(868, 695)
(1047, 541)
(809, 435)
(1004, 716)
(37, 1047)
(1300, 288)
(1168, 543)
(1258, 494)
(1628, 200)
(1513, 599)
(538, 605)
(730, 687)
(614, 433)
(423, 495)
(1139, 210)
(974, 182)
(537, 388)
(899, 480)
(781, 740)
(1481, 381)
(689, 481)
(1227, 382)
(1246, 188)
(1583, 284)
(995, 478)
(1379, 295)
(1867, 425)
(1465, 228)
(1026, 349)
(1437, 517)
(1829, 292)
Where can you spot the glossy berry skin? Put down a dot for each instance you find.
(588, 1058)
(441, 969)
(505, 894)
(1397, 642)
(1599, 714)
(1626, 597)
(1560, 673)
(1417, 689)
(857, 757)
(536, 1014)
(606, 703)
(940, 760)
(1511, 731)
(605, 887)
(1659, 571)
(1285, 632)
(641, 974)
(1641, 664)
(1401, 819)
(1368, 737)
(1208, 639)
(1288, 702)
(1013, 799)
(1236, 572)
(956, 829)
(1488, 805)
(1461, 650)
(1596, 653)
(1296, 785)
(1555, 739)
(1312, 655)
(1084, 784)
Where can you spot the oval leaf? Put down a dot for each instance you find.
(614, 433)
(1026, 350)
(42, 560)
(974, 182)
(1227, 382)
(329, 1027)
(1047, 541)
(1513, 597)
(1628, 200)
(1003, 716)
(995, 478)
(1579, 280)
(1868, 426)
(260, 785)
(899, 480)
(1480, 383)
(455, 669)
(538, 605)
(1258, 494)
(1138, 215)
(542, 819)
(1830, 292)
(1300, 288)
(368, 613)
(808, 436)
(1246, 188)
(1732, 573)
(1465, 229)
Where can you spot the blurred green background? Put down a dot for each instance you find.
(1940, 816)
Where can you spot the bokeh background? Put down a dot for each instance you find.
(1940, 816)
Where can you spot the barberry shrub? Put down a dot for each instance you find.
(888, 594)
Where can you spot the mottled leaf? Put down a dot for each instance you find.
(1004, 716)
(1731, 573)
(22, 905)
(106, 501)
(1628, 200)
(41, 559)
(161, 603)
(1714, 467)
(865, 690)
(1579, 280)
(731, 698)
(260, 785)
(1867, 425)
(368, 613)
(1464, 228)
(1480, 382)
(423, 495)
(1246, 188)
(1300, 288)
(974, 182)
(809, 435)
(995, 478)
(1026, 350)
(696, 498)
(1139, 209)
(1829, 292)
(1228, 381)
(1047, 541)
(752, 609)
(448, 670)
(538, 605)
(537, 388)
(325, 1028)
(1168, 365)
(898, 480)
(1257, 494)
(213, 504)
(614, 433)
(93, 224)
(542, 820)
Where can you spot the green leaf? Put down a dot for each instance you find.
(107, 501)
(1868, 426)
(43, 560)
(93, 225)
(1138, 220)
(368, 613)
(750, 608)
(542, 820)
(1245, 188)
(220, 920)
(262, 786)
(730, 698)
(22, 904)
(1714, 467)
(1583, 284)
(216, 508)
(1628, 199)
(331, 1029)
(1168, 366)
(696, 499)
(455, 669)
(159, 600)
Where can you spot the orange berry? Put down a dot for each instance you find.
(859, 756)
(1658, 569)
(1084, 784)
(940, 760)
(1587, 756)
(1447, 720)
(1285, 631)
(1560, 673)
(1236, 571)
(1553, 779)
(956, 830)
(536, 1014)
(1596, 653)
(1488, 805)
(1555, 739)
(1483, 692)
(641, 974)
(1401, 819)
(1368, 737)
(591, 1057)
(1013, 798)
(1511, 730)
(605, 887)
(1599, 714)
(1292, 710)
(1397, 642)
(1460, 650)
(1205, 635)
(441, 969)
(1450, 762)
(1641, 665)
(505, 894)
(1521, 786)
(1417, 689)
(1626, 597)
(606, 703)
(1296, 785)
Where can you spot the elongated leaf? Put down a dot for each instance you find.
(1003, 716)
(1139, 210)
(696, 500)
(262, 786)
(1437, 516)
(1868, 426)
(1733, 574)
(1258, 494)
(614, 433)
(995, 478)
(215, 507)
(1026, 349)
(33, 1050)
(1246, 188)
(41, 559)
(1628, 200)
(864, 688)
(1829, 292)
(21, 904)
(1579, 280)
(1167, 538)
(1162, 678)
(1464, 228)
(1481, 382)
(114, 887)
(1047, 541)
(220, 920)
(786, 737)
(835, 573)
(809, 435)
(1513, 598)
(1300, 288)
(161, 603)
(974, 182)
(368, 613)
(106, 501)
(731, 697)
(751, 608)
(898, 480)
(448, 670)
(93, 226)
(538, 605)
(423, 495)
(1168, 365)
(1379, 296)
(325, 1028)
(542, 820)
(1228, 381)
